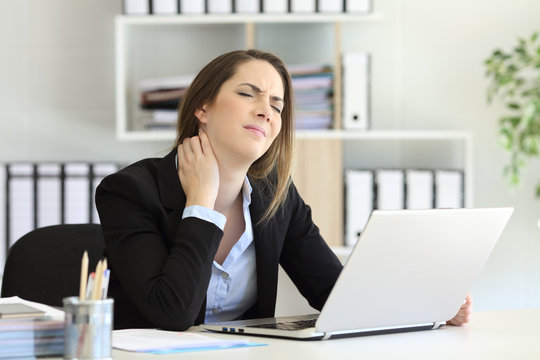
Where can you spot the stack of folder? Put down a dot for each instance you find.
(29, 330)
(159, 98)
(313, 89)
(31, 338)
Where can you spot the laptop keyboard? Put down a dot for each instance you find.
(288, 325)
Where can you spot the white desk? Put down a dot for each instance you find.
(511, 334)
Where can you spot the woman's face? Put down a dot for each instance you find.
(245, 118)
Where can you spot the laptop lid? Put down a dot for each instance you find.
(412, 267)
(409, 269)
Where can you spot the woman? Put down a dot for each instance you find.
(198, 235)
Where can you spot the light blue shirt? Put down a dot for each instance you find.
(233, 286)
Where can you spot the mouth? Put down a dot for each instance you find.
(257, 130)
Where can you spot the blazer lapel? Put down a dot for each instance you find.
(265, 253)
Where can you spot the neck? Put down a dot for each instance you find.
(230, 189)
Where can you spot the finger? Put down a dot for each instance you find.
(196, 148)
(205, 143)
(468, 302)
(187, 150)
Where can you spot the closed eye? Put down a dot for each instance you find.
(245, 94)
(277, 109)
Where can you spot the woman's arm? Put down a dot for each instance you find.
(163, 263)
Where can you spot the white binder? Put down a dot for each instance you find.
(136, 7)
(330, 6)
(219, 6)
(21, 200)
(358, 202)
(100, 170)
(248, 6)
(165, 7)
(356, 89)
(390, 189)
(275, 6)
(418, 189)
(448, 189)
(192, 7)
(49, 194)
(302, 6)
(76, 193)
(358, 6)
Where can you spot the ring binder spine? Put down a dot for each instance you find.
(29, 188)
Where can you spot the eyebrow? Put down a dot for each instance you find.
(258, 90)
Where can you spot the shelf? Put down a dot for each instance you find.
(383, 134)
(244, 18)
(375, 135)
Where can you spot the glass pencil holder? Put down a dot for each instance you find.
(88, 329)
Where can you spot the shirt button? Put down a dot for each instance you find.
(224, 275)
(215, 311)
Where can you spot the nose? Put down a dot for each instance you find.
(264, 111)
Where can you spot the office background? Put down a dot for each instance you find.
(57, 100)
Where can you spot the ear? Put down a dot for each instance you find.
(201, 114)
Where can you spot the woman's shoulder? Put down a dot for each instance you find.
(140, 171)
(140, 177)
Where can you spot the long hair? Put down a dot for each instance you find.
(273, 168)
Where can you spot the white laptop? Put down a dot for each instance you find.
(410, 270)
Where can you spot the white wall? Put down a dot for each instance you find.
(57, 82)
(57, 99)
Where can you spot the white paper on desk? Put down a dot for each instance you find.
(151, 340)
(53, 313)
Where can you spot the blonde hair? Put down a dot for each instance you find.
(273, 169)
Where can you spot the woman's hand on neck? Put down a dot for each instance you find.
(198, 171)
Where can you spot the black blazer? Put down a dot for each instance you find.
(161, 265)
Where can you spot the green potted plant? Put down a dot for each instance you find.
(515, 80)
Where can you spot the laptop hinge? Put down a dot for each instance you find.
(326, 336)
(437, 325)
